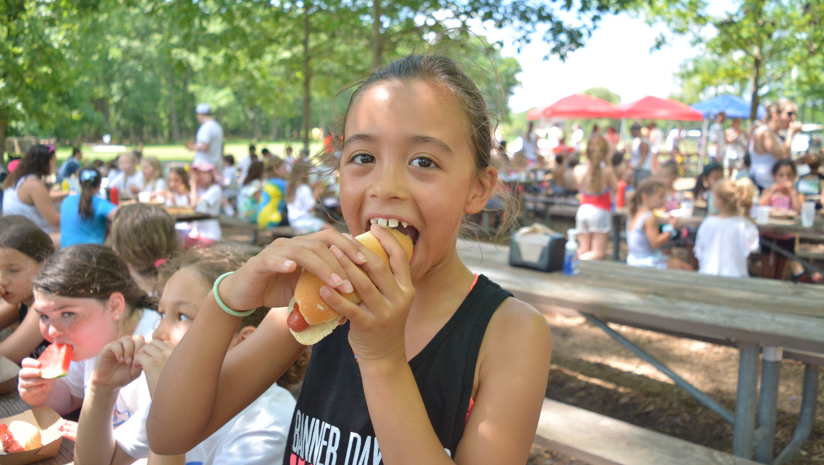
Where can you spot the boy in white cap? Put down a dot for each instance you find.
(208, 145)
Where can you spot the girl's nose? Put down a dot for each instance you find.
(388, 183)
(162, 331)
(55, 331)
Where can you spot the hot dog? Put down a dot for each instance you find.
(310, 318)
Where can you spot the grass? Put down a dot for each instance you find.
(179, 153)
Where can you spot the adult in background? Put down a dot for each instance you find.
(71, 165)
(530, 142)
(766, 147)
(656, 140)
(673, 142)
(128, 180)
(736, 146)
(717, 139)
(244, 164)
(641, 160)
(576, 138)
(208, 144)
(25, 193)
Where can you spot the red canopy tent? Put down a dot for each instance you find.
(659, 108)
(576, 106)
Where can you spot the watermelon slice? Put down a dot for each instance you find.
(54, 361)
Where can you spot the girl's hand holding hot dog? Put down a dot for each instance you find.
(269, 279)
(377, 325)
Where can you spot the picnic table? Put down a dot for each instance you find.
(11, 404)
(782, 319)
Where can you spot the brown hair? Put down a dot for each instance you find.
(297, 177)
(89, 271)
(184, 175)
(648, 186)
(21, 234)
(210, 264)
(271, 167)
(157, 167)
(142, 234)
(445, 74)
(89, 180)
(37, 161)
(255, 172)
(597, 150)
(735, 196)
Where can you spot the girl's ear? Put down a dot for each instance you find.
(480, 191)
(241, 335)
(116, 305)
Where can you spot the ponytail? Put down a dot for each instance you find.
(735, 196)
(597, 149)
(89, 187)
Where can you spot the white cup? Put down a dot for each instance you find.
(144, 197)
(808, 214)
(688, 206)
(762, 214)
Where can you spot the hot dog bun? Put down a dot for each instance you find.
(26, 434)
(322, 318)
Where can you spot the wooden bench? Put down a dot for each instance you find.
(601, 440)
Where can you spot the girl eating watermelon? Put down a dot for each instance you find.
(85, 298)
(256, 435)
(23, 249)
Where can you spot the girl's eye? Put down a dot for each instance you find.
(183, 317)
(423, 162)
(67, 314)
(362, 158)
(44, 318)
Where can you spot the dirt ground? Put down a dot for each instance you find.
(593, 372)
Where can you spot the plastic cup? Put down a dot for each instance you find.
(144, 197)
(808, 214)
(762, 214)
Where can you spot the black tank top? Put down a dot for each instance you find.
(331, 424)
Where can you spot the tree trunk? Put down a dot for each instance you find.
(3, 125)
(376, 42)
(173, 109)
(754, 80)
(307, 79)
(257, 132)
(274, 128)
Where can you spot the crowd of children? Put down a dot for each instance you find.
(186, 357)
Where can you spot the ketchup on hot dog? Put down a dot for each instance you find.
(296, 322)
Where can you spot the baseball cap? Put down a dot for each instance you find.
(203, 109)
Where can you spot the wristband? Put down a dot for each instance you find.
(223, 305)
(671, 229)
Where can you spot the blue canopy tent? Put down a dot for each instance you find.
(732, 105)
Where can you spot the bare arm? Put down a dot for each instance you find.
(610, 179)
(184, 412)
(41, 200)
(656, 238)
(9, 314)
(23, 340)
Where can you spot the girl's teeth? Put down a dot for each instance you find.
(393, 223)
(373, 221)
(382, 222)
(404, 224)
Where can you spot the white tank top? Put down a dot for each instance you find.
(761, 164)
(12, 205)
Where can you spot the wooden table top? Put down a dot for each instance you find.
(767, 312)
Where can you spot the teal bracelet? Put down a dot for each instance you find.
(224, 306)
